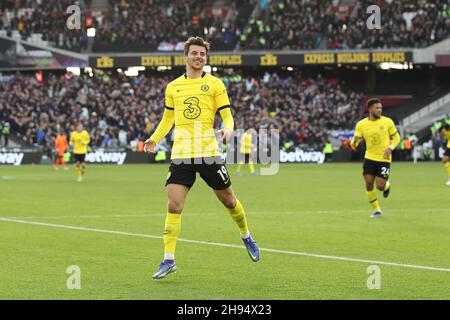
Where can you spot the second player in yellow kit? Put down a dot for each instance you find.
(381, 138)
(80, 140)
(245, 152)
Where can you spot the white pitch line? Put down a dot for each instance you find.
(164, 214)
(86, 216)
(298, 253)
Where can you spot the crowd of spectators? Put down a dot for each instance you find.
(119, 111)
(296, 25)
(407, 24)
(304, 110)
(152, 25)
(286, 24)
(48, 18)
(162, 24)
(114, 110)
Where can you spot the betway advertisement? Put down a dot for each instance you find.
(118, 157)
(101, 156)
(14, 158)
(301, 156)
(17, 157)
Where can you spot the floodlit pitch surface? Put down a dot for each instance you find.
(311, 222)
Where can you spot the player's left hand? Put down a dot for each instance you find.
(347, 144)
(225, 134)
(149, 146)
(387, 153)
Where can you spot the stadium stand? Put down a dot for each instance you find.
(118, 110)
(303, 109)
(406, 24)
(42, 20)
(160, 25)
(279, 25)
(163, 25)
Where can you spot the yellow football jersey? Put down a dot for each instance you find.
(446, 136)
(246, 143)
(195, 102)
(80, 141)
(377, 134)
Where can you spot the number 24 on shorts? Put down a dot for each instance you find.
(385, 171)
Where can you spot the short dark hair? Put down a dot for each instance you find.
(196, 41)
(371, 102)
(447, 126)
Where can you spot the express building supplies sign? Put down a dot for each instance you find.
(357, 57)
(255, 59)
(174, 60)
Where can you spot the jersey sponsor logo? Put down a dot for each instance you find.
(14, 158)
(375, 139)
(101, 156)
(205, 87)
(193, 109)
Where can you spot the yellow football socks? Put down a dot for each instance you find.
(238, 215)
(447, 167)
(239, 167)
(172, 229)
(252, 167)
(374, 203)
(387, 185)
(78, 170)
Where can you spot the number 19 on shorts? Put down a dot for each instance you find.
(223, 174)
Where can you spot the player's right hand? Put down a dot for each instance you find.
(225, 134)
(387, 153)
(149, 146)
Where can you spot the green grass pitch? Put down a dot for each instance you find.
(105, 225)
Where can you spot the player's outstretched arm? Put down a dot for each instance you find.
(87, 138)
(161, 131)
(228, 123)
(357, 137)
(71, 140)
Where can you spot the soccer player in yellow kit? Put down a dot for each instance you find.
(445, 132)
(246, 150)
(381, 138)
(191, 102)
(80, 140)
